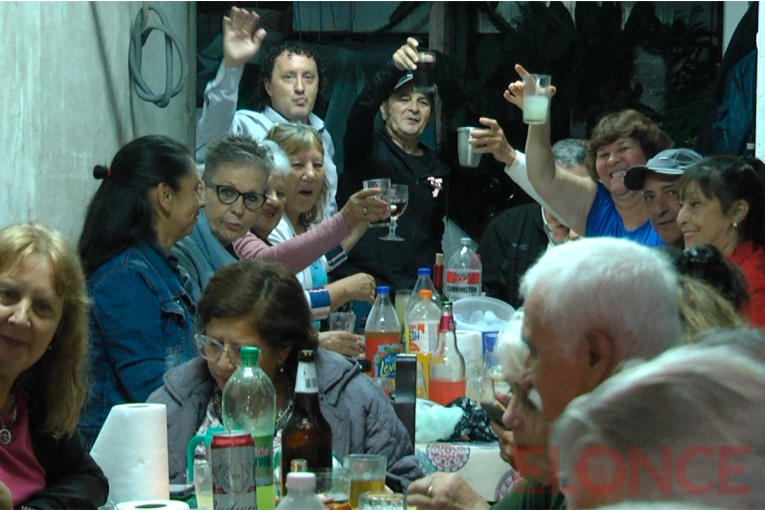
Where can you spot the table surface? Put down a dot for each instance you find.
(478, 463)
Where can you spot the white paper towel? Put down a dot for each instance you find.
(154, 504)
(470, 344)
(132, 451)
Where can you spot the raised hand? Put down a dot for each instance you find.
(406, 57)
(364, 206)
(514, 92)
(492, 141)
(240, 44)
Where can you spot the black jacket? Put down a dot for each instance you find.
(512, 242)
(72, 477)
(371, 154)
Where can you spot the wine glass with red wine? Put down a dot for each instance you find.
(398, 197)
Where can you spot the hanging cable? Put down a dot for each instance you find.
(138, 36)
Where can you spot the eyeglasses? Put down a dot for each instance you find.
(211, 350)
(228, 195)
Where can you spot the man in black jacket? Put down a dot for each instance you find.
(395, 152)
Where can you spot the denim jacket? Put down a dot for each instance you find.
(141, 322)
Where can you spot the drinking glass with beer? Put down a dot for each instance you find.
(367, 474)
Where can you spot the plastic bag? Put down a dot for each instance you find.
(434, 422)
(474, 424)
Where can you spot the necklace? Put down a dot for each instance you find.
(5, 434)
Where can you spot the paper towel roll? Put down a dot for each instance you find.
(132, 451)
(470, 345)
(154, 504)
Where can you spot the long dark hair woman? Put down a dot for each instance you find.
(43, 346)
(261, 304)
(142, 312)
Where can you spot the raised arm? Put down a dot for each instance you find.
(360, 126)
(300, 251)
(240, 45)
(569, 196)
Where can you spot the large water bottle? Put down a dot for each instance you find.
(302, 493)
(249, 403)
(463, 273)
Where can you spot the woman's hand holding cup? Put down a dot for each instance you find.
(364, 206)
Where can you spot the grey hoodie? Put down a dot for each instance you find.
(362, 419)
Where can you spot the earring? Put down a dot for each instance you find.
(281, 368)
(735, 224)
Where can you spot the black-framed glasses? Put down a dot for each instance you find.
(211, 350)
(228, 195)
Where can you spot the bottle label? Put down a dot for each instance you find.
(423, 336)
(306, 379)
(264, 460)
(462, 283)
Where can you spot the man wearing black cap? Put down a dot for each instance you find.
(395, 152)
(658, 179)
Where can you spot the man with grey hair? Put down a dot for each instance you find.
(591, 306)
(517, 237)
(701, 403)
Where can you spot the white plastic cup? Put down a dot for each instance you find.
(536, 98)
(468, 158)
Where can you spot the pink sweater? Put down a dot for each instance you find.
(300, 251)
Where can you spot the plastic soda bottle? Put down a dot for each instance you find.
(423, 282)
(463, 274)
(301, 494)
(249, 404)
(382, 336)
(447, 366)
(422, 323)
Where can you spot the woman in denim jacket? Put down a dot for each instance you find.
(141, 312)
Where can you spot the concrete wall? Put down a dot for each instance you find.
(67, 101)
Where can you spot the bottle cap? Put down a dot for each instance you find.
(423, 271)
(426, 294)
(298, 480)
(298, 465)
(249, 354)
(383, 289)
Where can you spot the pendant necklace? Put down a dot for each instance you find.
(5, 434)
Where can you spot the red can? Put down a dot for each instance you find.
(233, 470)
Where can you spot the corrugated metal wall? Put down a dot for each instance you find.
(67, 101)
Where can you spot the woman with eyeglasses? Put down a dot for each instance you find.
(261, 304)
(235, 176)
(141, 316)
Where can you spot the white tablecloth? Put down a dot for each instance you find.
(478, 463)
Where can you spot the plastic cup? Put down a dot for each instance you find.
(536, 98)
(203, 487)
(382, 501)
(367, 474)
(467, 157)
(424, 75)
(342, 321)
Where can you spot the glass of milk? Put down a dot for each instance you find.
(536, 98)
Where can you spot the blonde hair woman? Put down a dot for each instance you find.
(43, 345)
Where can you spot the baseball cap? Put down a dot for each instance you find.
(406, 78)
(667, 162)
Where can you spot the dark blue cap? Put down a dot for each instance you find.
(423, 271)
(383, 289)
